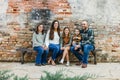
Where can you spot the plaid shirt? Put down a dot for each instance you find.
(87, 36)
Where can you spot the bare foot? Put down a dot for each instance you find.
(53, 63)
(49, 61)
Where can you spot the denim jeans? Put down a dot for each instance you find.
(76, 53)
(41, 57)
(86, 50)
(55, 48)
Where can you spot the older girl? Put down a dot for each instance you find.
(39, 46)
(53, 41)
(65, 45)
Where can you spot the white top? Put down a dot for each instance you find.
(55, 39)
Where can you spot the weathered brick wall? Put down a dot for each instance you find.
(15, 23)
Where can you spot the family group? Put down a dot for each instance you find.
(80, 43)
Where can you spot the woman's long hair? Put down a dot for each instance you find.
(63, 35)
(37, 30)
(51, 35)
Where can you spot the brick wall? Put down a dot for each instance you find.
(15, 23)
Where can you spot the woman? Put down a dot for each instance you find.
(65, 45)
(53, 41)
(39, 46)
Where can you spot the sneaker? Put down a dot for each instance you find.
(61, 61)
(43, 64)
(37, 64)
(68, 64)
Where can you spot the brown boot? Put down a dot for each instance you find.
(78, 64)
(84, 65)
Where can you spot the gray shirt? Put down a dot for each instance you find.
(38, 39)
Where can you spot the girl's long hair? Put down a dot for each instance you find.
(51, 35)
(63, 35)
(37, 31)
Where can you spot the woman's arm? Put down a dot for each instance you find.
(34, 41)
(47, 38)
(70, 42)
(61, 41)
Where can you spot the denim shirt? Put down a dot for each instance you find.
(87, 36)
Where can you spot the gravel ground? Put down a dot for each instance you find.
(103, 71)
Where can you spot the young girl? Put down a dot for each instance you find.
(39, 46)
(53, 41)
(65, 45)
(76, 40)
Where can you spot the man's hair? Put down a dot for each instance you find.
(86, 22)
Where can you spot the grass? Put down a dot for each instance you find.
(58, 75)
(5, 75)
(20, 78)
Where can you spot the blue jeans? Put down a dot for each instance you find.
(55, 48)
(86, 50)
(41, 57)
(76, 53)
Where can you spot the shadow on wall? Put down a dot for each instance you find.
(40, 16)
